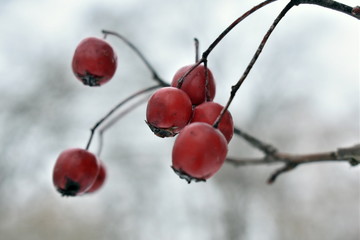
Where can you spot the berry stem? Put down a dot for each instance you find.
(97, 124)
(334, 5)
(266, 148)
(111, 122)
(220, 37)
(155, 75)
(236, 87)
(181, 80)
(196, 43)
(232, 25)
(207, 90)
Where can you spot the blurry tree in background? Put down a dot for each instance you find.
(302, 96)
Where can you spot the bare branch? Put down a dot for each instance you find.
(291, 161)
(117, 106)
(261, 46)
(352, 11)
(352, 154)
(267, 149)
(287, 167)
(220, 37)
(116, 118)
(155, 75)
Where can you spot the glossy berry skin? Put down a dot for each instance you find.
(199, 152)
(194, 83)
(208, 112)
(168, 110)
(100, 179)
(75, 171)
(94, 61)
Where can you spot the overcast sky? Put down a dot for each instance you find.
(302, 96)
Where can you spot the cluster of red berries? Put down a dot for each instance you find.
(200, 149)
(184, 108)
(78, 171)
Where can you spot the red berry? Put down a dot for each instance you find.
(100, 179)
(208, 112)
(94, 61)
(194, 84)
(198, 152)
(75, 171)
(169, 109)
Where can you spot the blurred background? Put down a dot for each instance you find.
(302, 96)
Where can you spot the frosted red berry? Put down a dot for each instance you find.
(194, 84)
(94, 61)
(168, 110)
(75, 171)
(100, 179)
(199, 152)
(208, 112)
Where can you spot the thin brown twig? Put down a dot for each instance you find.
(117, 106)
(236, 87)
(291, 161)
(155, 75)
(351, 155)
(115, 119)
(220, 37)
(196, 43)
(266, 148)
(324, 3)
(232, 25)
(334, 5)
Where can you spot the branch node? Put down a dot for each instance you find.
(287, 167)
(356, 11)
(295, 2)
(352, 154)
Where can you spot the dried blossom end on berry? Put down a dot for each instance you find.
(75, 171)
(199, 150)
(187, 177)
(163, 132)
(90, 79)
(94, 61)
(71, 188)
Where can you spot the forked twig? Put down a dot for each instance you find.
(155, 75)
(206, 53)
(291, 161)
(113, 121)
(117, 106)
(236, 87)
